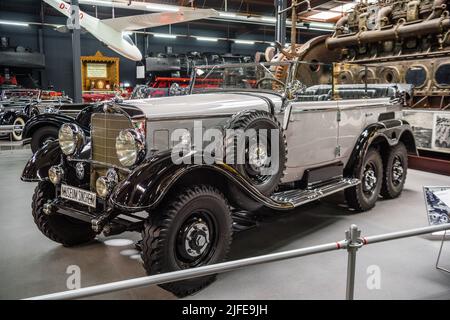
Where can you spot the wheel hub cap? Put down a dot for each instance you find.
(397, 171)
(258, 155)
(197, 239)
(370, 180)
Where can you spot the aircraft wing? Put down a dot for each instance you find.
(150, 20)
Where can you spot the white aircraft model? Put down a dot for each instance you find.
(112, 32)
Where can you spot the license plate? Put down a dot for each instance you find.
(78, 195)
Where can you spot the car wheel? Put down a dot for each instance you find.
(364, 196)
(16, 135)
(395, 170)
(194, 229)
(259, 163)
(42, 136)
(59, 228)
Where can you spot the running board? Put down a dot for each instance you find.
(299, 197)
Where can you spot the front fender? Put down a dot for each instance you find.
(147, 185)
(48, 119)
(37, 167)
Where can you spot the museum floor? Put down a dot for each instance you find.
(32, 265)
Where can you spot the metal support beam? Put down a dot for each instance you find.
(280, 25)
(74, 24)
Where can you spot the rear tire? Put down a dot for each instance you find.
(42, 136)
(194, 229)
(364, 196)
(395, 170)
(59, 228)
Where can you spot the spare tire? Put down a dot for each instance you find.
(253, 153)
(42, 136)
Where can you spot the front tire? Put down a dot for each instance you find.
(364, 196)
(62, 229)
(194, 229)
(395, 170)
(42, 136)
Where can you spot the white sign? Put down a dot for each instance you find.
(140, 72)
(97, 70)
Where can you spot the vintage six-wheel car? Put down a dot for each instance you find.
(114, 169)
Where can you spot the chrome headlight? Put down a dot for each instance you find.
(71, 138)
(130, 147)
(55, 174)
(105, 185)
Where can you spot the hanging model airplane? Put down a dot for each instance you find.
(112, 32)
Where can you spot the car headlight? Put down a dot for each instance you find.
(104, 185)
(130, 147)
(55, 174)
(71, 138)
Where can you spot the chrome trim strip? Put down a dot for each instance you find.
(193, 117)
(100, 163)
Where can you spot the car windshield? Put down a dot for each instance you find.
(263, 76)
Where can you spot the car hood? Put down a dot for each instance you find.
(205, 104)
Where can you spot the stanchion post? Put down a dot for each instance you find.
(353, 238)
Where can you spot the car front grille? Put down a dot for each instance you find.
(105, 127)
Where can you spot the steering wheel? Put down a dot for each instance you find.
(258, 83)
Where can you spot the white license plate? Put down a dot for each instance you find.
(78, 195)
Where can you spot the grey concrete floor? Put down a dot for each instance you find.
(30, 264)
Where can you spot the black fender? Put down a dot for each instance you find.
(37, 167)
(9, 117)
(388, 132)
(151, 181)
(48, 119)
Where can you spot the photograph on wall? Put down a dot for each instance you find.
(437, 200)
(422, 126)
(441, 132)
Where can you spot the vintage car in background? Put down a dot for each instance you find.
(17, 106)
(145, 166)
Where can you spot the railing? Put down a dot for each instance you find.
(10, 128)
(353, 241)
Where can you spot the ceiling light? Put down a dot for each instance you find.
(244, 41)
(206, 39)
(164, 35)
(227, 14)
(161, 7)
(14, 23)
(269, 19)
(325, 15)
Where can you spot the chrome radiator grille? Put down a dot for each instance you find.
(105, 127)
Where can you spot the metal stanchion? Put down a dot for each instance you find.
(354, 242)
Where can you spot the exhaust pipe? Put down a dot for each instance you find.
(399, 31)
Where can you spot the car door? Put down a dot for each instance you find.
(351, 119)
(312, 133)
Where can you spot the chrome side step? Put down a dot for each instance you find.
(299, 197)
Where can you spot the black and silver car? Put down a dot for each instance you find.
(176, 159)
